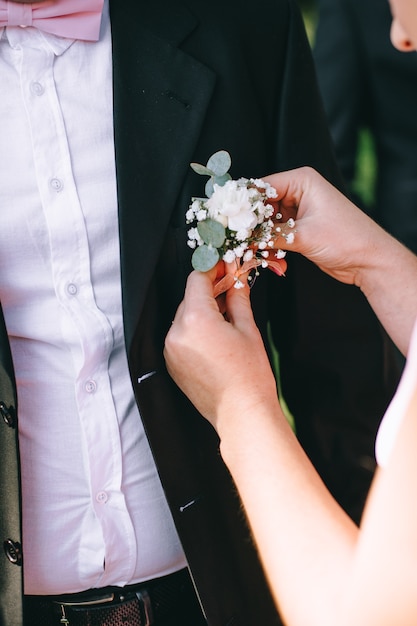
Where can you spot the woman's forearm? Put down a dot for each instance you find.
(306, 540)
(389, 282)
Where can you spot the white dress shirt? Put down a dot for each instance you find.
(94, 512)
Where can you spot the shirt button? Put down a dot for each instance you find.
(102, 497)
(72, 289)
(56, 184)
(90, 386)
(37, 88)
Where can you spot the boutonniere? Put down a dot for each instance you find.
(236, 223)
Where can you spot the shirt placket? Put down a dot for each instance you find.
(85, 328)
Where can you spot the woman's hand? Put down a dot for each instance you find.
(216, 355)
(330, 230)
(347, 244)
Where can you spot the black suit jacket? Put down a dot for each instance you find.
(367, 83)
(189, 79)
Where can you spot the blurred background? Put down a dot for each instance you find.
(369, 92)
(365, 168)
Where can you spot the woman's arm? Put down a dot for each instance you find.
(322, 570)
(300, 530)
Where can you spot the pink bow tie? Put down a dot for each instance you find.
(74, 19)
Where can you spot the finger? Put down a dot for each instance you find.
(238, 307)
(199, 299)
(289, 187)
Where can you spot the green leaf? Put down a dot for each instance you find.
(204, 258)
(219, 162)
(216, 180)
(221, 180)
(212, 233)
(201, 169)
(209, 189)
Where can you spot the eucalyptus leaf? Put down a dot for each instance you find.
(202, 169)
(219, 162)
(221, 180)
(209, 188)
(211, 232)
(204, 258)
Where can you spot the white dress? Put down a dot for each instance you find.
(391, 421)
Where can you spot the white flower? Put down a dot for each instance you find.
(243, 234)
(280, 254)
(201, 215)
(240, 251)
(189, 216)
(242, 207)
(194, 236)
(271, 192)
(243, 220)
(233, 202)
(229, 256)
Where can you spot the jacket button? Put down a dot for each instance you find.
(13, 551)
(8, 415)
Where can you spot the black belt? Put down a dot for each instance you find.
(142, 604)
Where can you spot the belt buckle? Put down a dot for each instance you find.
(102, 600)
(146, 604)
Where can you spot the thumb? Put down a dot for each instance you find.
(200, 287)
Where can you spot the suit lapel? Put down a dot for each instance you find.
(160, 100)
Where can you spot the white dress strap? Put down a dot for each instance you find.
(391, 421)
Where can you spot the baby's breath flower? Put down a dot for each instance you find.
(270, 192)
(243, 234)
(229, 256)
(194, 236)
(240, 251)
(201, 215)
(189, 216)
